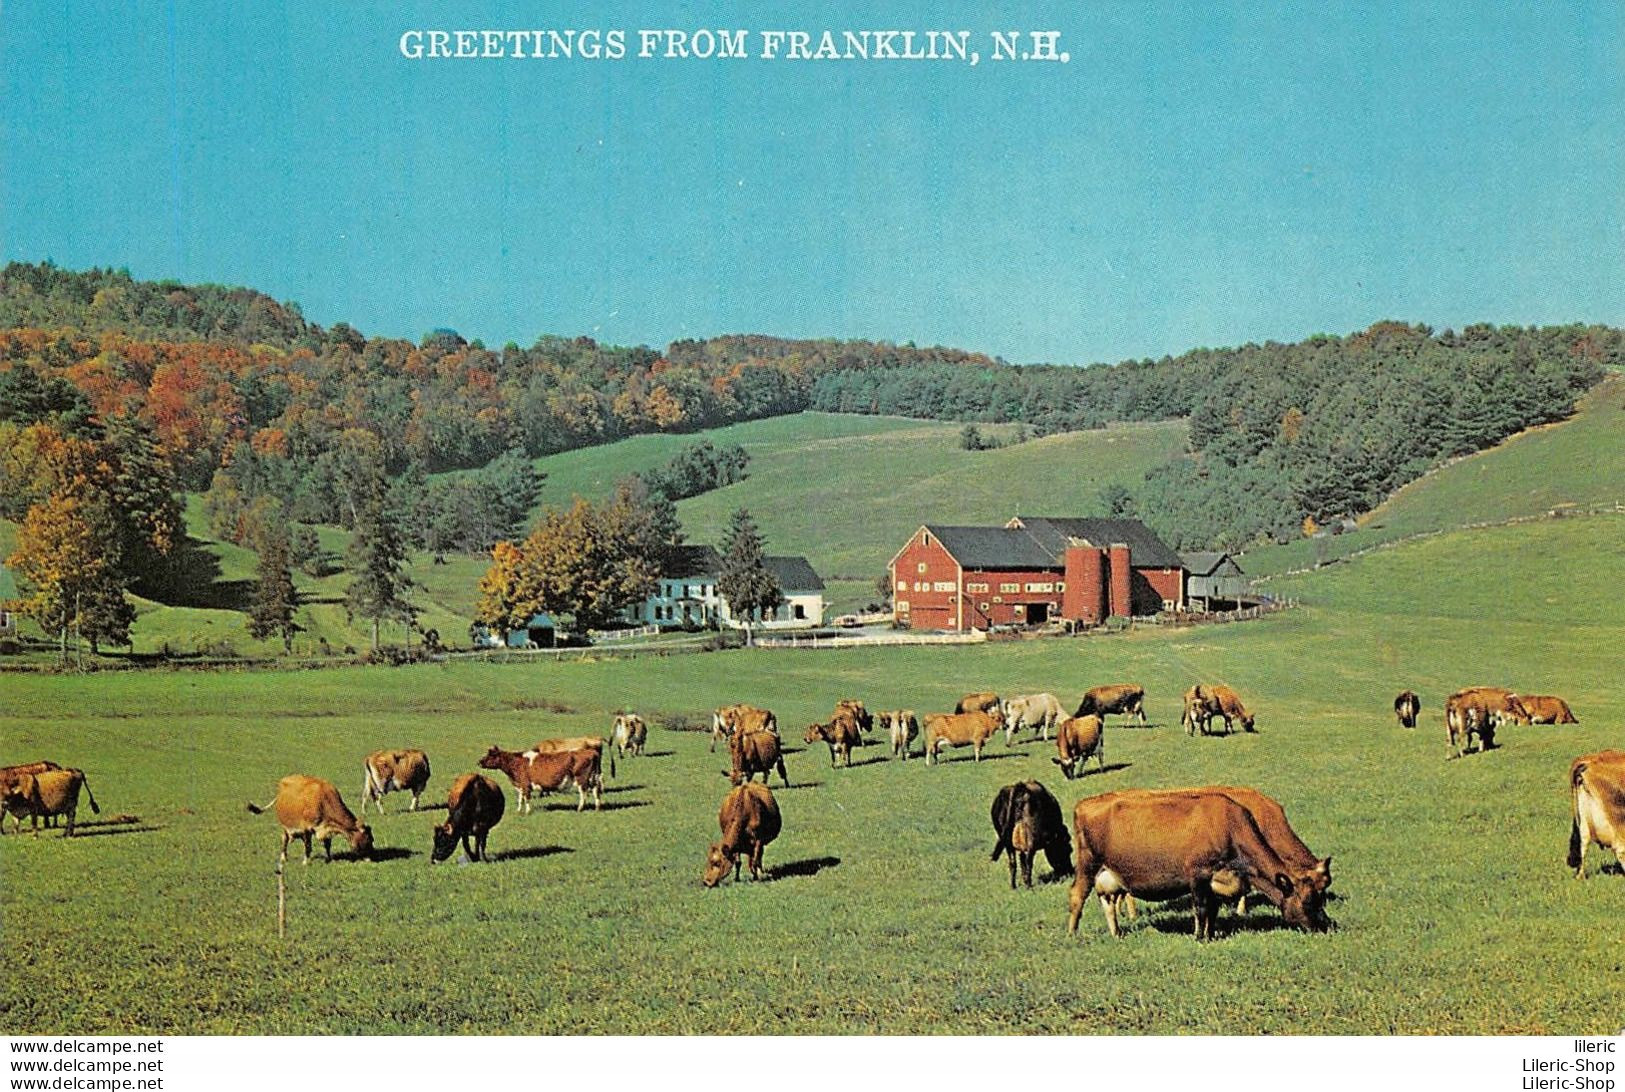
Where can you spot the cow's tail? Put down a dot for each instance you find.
(259, 809)
(85, 781)
(1576, 847)
(1007, 826)
(611, 763)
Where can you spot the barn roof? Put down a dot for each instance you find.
(1054, 533)
(686, 561)
(794, 573)
(992, 547)
(1207, 562)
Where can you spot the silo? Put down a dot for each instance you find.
(1122, 581)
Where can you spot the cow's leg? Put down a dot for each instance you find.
(597, 793)
(756, 860)
(1027, 866)
(782, 775)
(327, 849)
(976, 750)
(282, 858)
(306, 838)
(1083, 882)
(415, 793)
(68, 833)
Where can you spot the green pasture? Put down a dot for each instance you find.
(1578, 463)
(1456, 913)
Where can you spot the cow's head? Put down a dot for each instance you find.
(717, 864)
(361, 840)
(1303, 903)
(445, 843)
(492, 759)
(1247, 722)
(815, 732)
(1068, 765)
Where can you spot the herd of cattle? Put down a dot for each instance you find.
(1215, 844)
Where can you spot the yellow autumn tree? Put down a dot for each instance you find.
(66, 565)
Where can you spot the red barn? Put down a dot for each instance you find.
(1032, 570)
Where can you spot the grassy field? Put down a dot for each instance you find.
(1456, 913)
(1578, 462)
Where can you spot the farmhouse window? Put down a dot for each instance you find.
(1168, 604)
(1040, 587)
(902, 585)
(943, 585)
(920, 568)
(975, 587)
(902, 606)
(1009, 587)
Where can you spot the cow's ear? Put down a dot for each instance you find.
(1284, 882)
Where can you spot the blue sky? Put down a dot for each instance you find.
(1197, 174)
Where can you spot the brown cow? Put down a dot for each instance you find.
(841, 733)
(630, 734)
(903, 727)
(308, 807)
(1468, 713)
(9, 774)
(865, 720)
(475, 806)
(958, 730)
(749, 819)
(393, 771)
(46, 794)
(755, 753)
(1501, 704)
(1160, 846)
(1272, 823)
(1597, 784)
(1079, 738)
(731, 719)
(537, 771)
(1026, 819)
(1407, 707)
(576, 743)
(1126, 699)
(982, 701)
(1205, 701)
(1547, 709)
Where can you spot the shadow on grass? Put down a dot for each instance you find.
(611, 805)
(103, 830)
(986, 756)
(381, 853)
(624, 788)
(811, 866)
(1096, 771)
(656, 754)
(799, 785)
(527, 853)
(871, 760)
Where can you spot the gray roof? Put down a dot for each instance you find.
(793, 573)
(689, 561)
(1204, 562)
(992, 547)
(1054, 534)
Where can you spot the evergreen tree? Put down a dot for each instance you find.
(377, 558)
(271, 612)
(745, 582)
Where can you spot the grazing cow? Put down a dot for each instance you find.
(1203, 702)
(533, 771)
(1547, 709)
(1468, 714)
(958, 730)
(1272, 823)
(393, 771)
(1407, 707)
(1038, 711)
(630, 734)
(46, 794)
(749, 819)
(1160, 846)
(475, 806)
(1597, 783)
(903, 728)
(1502, 705)
(1126, 699)
(10, 774)
(1078, 739)
(842, 734)
(755, 753)
(983, 701)
(1027, 819)
(731, 719)
(308, 807)
(852, 706)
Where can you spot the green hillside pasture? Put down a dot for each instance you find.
(1578, 462)
(1456, 912)
(850, 502)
